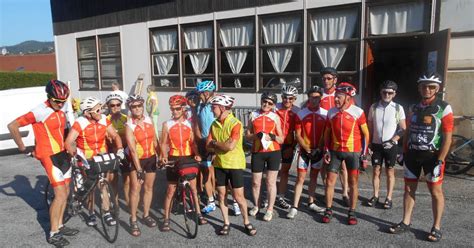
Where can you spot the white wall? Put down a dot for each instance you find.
(461, 53)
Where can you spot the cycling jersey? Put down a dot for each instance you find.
(144, 137)
(327, 99)
(91, 139)
(205, 118)
(385, 120)
(287, 120)
(427, 123)
(266, 123)
(179, 137)
(312, 124)
(344, 128)
(48, 128)
(118, 124)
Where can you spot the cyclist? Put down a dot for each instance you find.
(118, 120)
(310, 123)
(87, 139)
(264, 130)
(225, 139)
(116, 90)
(142, 144)
(386, 122)
(346, 136)
(152, 106)
(329, 77)
(49, 121)
(286, 110)
(205, 117)
(427, 141)
(177, 144)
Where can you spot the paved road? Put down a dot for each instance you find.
(24, 218)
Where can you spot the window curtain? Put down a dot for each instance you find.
(232, 35)
(280, 31)
(199, 38)
(337, 25)
(164, 41)
(396, 19)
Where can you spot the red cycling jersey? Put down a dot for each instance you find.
(179, 137)
(311, 123)
(92, 136)
(343, 129)
(327, 100)
(144, 137)
(266, 123)
(287, 120)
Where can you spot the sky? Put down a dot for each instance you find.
(22, 20)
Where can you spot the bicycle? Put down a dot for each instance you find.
(184, 195)
(460, 158)
(99, 188)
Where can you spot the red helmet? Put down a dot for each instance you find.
(57, 90)
(346, 88)
(178, 100)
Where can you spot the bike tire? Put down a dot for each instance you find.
(105, 194)
(49, 197)
(190, 212)
(460, 157)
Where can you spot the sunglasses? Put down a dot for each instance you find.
(327, 78)
(58, 100)
(289, 98)
(97, 111)
(388, 92)
(136, 106)
(431, 87)
(270, 103)
(114, 105)
(176, 109)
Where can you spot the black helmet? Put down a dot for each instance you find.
(57, 90)
(270, 96)
(329, 70)
(389, 84)
(315, 88)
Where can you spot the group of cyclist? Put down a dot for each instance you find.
(328, 135)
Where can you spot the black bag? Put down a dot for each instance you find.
(62, 161)
(104, 163)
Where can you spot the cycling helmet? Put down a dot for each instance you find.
(430, 78)
(270, 96)
(57, 90)
(346, 88)
(134, 98)
(329, 70)
(389, 84)
(178, 100)
(223, 100)
(113, 96)
(289, 90)
(315, 88)
(88, 103)
(207, 85)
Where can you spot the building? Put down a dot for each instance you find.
(249, 46)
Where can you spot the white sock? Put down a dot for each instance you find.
(211, 199)
(51, 233)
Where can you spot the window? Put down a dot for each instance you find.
(398, 18)
(98, 69)
(281, 51)
(198, 54)
(333, 41)
(236, 55)
(164, 59)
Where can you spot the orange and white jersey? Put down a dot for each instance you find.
(48, 127)
(144, 137)
(92, 136)
(179, 137)
(344, 129)
(266, 123)
(327, 100)
(312, 124)
(287, 120)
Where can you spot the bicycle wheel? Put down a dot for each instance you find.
(460, 157)
(49, 197)
(104, 197)
(190, 213)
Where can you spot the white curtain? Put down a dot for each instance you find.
(198, 38)
(396, 19)
(280, 31)
(164, 41)
(232, 35)
(336, 25)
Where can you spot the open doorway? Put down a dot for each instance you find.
(399, 59)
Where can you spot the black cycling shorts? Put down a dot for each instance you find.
(286, 148)
(269, 160)
(148, 164)
(205, 155)
(426, 160)
(233, 176)
(352, 160)
(125, 165)
(381, 155)
(172, 172)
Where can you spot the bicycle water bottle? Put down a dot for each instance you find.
(79, 180)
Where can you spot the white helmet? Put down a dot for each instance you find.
(88, 103)
(289, 90)
(223, 100)
(430, 78)
(113, 96)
